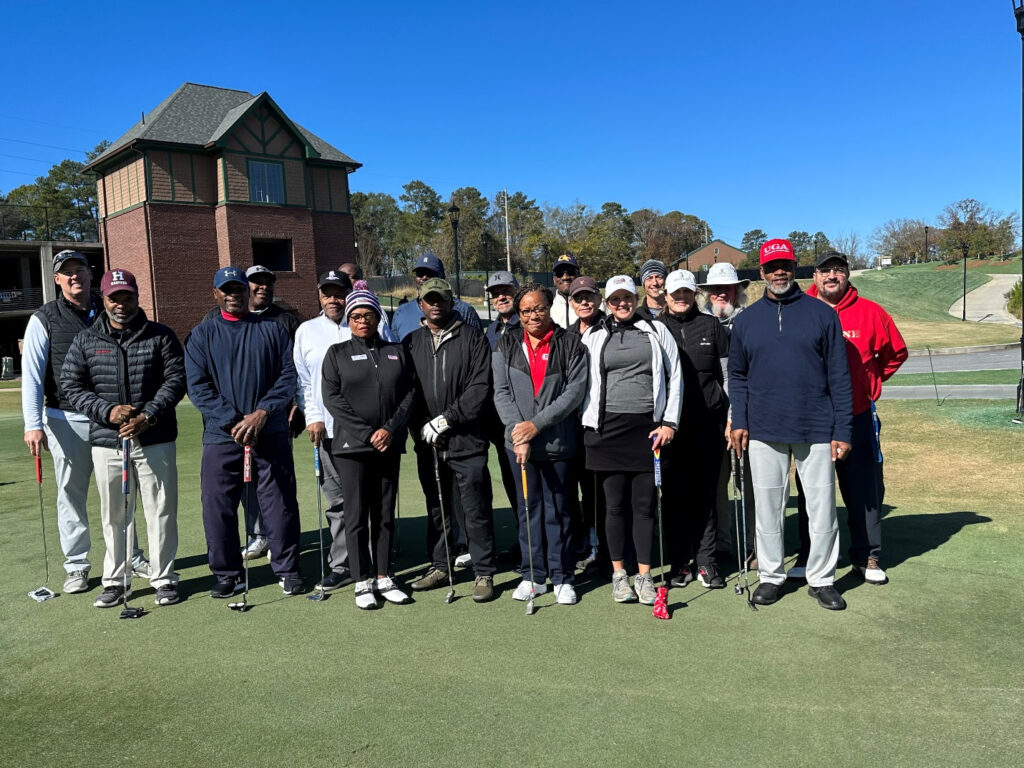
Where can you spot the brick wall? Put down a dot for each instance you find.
(184, 260)
(124, 237)
(334, 239)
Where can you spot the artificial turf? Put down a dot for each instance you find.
(926, 670)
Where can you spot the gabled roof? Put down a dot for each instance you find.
(201, 115)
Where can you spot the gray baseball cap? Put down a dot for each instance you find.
(502, 278)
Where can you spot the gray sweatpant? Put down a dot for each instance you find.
(769, 468)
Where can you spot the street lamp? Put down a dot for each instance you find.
(453, 217)
(963, 250)
(1018, 12)
(487, 271)
(926, 242)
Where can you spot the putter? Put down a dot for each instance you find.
(743, 509)
(317, 594)
(243, 606)
(740, 549)
(42, 593)
(660, 610)
(398, 519)
(450, 597)
(126, 449)
(529, 542)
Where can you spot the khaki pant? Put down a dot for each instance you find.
(154, 476)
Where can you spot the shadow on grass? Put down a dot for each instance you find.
(908, 536)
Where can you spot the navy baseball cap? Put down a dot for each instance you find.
(430, 261)
(60, 258)
(226, 275)
(565, 260)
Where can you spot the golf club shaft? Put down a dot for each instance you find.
(126, 448)
(529, 540)
(740, 547)
(42, 519)
(247, 479)
(657, 487)
(450, 566)
(317, 469)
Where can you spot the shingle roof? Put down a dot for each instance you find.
(202, 114)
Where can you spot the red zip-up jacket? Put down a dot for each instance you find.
(874, 347)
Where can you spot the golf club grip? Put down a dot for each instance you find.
(316, 460)
(247, 465)
(657, 469)
(39, 469)
(125, 453)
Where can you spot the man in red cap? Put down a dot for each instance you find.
(127, 374)
(789, 386)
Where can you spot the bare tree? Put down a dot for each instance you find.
(848, 243)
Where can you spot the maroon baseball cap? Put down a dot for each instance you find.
(118, 280)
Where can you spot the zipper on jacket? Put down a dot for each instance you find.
(780, 316)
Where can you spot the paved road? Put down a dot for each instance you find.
(968, 361)
(952, 392)
(987, 303)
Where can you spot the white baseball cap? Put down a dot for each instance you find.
(619, 283)
(724, 273)
(681, 278)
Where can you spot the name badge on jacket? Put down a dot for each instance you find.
(358, 357)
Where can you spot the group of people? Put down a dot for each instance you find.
(579, 392)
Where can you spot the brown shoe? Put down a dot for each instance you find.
(432, 579)
(483, 589)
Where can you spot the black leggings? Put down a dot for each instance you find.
(369, 482)
(622, 491)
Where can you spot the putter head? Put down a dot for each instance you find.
(317, 596)
(132, 613)
(529, 607)
(42, 594)
(750, 601)
(450, 597)
(241, 607)
(738, 589)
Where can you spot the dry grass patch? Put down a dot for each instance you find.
(938, 333)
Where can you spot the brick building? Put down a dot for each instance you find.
(701, 259)
(213, 177)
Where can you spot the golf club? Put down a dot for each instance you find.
(318, 594)
(529, 542)
(126, 449)
(243, 606)
(398, 520)
(740, 549)
(44, 592)
(743, 517)
(660, 610)
(450, 597)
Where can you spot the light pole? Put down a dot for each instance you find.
(963, 249)
(1018, 12)
(487, 271)
(453, 217)
(926, 242)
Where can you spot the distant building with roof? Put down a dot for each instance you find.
(213, 177)
(702, 258)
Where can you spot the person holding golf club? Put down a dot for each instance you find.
(51, 422)
(453, 387)
(631, 407)
(789, 383)
(127, 374)
(540, 378)
(368, 390)
(691, 465)
(875, 350)
(242, 380)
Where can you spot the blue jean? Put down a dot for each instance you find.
(549, 484)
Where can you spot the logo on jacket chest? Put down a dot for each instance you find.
(103, 351)
(851, 334)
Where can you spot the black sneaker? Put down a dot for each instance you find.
(827, 597)
(292, 585)
(335, 580)
(683, 577)
(227, 587)
(167, 595)
(766, 594)
(709, 577)
(111, 596)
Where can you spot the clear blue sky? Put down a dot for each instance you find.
(774, 115)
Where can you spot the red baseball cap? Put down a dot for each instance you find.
(777, 249)
(118, 280)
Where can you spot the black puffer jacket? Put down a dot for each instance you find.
(367, 386)
(63, 321)
(143, 366)
(453, 381)
(702, 342)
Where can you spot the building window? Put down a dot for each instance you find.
(266, 182)
(274, 254)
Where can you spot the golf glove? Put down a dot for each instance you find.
(433, 429)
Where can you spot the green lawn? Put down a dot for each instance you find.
(1004, 376)
(921, 672)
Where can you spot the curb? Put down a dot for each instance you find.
(965, 350)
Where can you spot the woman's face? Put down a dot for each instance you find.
(679, 303)
(363, 322)
(535, 314)
(622, 305)
(585, 304)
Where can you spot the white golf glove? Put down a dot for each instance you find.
(434, 428)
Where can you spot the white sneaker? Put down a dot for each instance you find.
(77, 581)
(797, 572)
(141, 569)
(565, 594)
(257, 548)
(365, 597)
(523, 590)
(872, 572)
(386, 588)
(464, 561)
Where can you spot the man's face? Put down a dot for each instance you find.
(436, 308)
(232, 298)
(422, 275)
(832, 279)
(261, 291)
(74, 279)
(778, 275)
(351, 270)
(332, 301)
(121, 306)
(585, 304)
(680, 301)
(654, 286)
(722, 299)
(563, 277)
(501, 299)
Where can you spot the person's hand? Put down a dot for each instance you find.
(433, 429)
(728, 432)
(381, 440)
(296, 421)
(523, 432)
(661, 436)
(738, 441)
(120, 414)
(35, 439)
(840, 450)
(317, 432)
(248, 429)
(522, 452)
(134, 427)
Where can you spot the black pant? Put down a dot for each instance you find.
(689, 471)
(369, 482)
(470, 476)
(629, 493)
